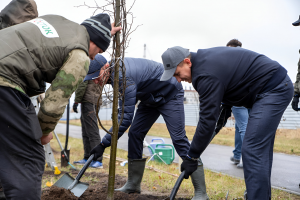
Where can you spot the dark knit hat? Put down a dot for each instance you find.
(99, 28)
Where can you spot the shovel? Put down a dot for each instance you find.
(74, 185)
(176, 187)
(62, 149)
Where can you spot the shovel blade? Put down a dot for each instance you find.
(79, 188)
(66, 180)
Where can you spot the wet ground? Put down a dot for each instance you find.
(285, 167)
(97, 190)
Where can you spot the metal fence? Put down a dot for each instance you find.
(289, 120)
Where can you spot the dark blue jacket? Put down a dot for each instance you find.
(230, 75)
(143, 83)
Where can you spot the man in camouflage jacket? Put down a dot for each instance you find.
(88, 94)
(46, 49)
(297, 83)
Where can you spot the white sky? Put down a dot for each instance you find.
(262, 26)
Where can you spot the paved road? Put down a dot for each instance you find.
(285, 171)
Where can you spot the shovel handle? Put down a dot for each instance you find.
(177, 185)
(85, 166)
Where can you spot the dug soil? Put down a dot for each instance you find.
(97, 189)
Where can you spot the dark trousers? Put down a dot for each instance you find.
(90, 130)
(257, 149)
(22, 157)
(145, 116)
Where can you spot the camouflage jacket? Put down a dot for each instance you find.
(297, 83)
(57, 95)
(60, 59)
(87, 91)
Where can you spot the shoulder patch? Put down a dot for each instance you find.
(47, 29)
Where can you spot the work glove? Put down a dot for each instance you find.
(97, 151)
(224, 115)
(189, 165)
(295, 102)
(75, 105)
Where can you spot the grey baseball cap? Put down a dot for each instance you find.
(171, 58)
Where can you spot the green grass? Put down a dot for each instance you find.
(158, 182)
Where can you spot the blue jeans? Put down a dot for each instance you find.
(257, 149)
(241, 115)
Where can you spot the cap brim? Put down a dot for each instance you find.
(168, 74)
(296, 23)
(92, 76)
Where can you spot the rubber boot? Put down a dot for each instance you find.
(198, 180)
(136, 169)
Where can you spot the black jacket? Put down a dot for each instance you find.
(230, 75)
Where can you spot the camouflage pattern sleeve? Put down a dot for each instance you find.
(79, 93)
(65, 83)
(297, 83)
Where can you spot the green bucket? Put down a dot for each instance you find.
(164, 153)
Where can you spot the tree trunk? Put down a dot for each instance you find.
(114, 139)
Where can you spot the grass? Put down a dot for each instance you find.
(157, 182)
(286, 140)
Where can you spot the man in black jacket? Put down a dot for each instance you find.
(156, 98)
(236, 77)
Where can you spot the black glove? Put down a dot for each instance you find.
(189, 165)
(225, 114)
(97, 151)
(295, 102)
(75, 105)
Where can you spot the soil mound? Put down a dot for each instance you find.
(97, 190)
(58, 193)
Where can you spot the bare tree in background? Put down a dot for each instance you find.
(122, 17)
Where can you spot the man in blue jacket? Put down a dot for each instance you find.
(238, 77)
(156, 98)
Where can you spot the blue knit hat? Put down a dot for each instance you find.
(95, 67)
(99, 28)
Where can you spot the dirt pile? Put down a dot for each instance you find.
(97, 190)
(58, 193)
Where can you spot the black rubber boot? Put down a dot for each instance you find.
(198, 180)
(136, 169)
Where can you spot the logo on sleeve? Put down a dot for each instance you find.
(47, 29)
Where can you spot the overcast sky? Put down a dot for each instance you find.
(264, 26)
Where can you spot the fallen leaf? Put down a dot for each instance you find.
(48, 184)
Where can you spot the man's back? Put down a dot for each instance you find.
(145, 74)
(240, 73)
(32, 52)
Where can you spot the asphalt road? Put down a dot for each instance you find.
(285, 171)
